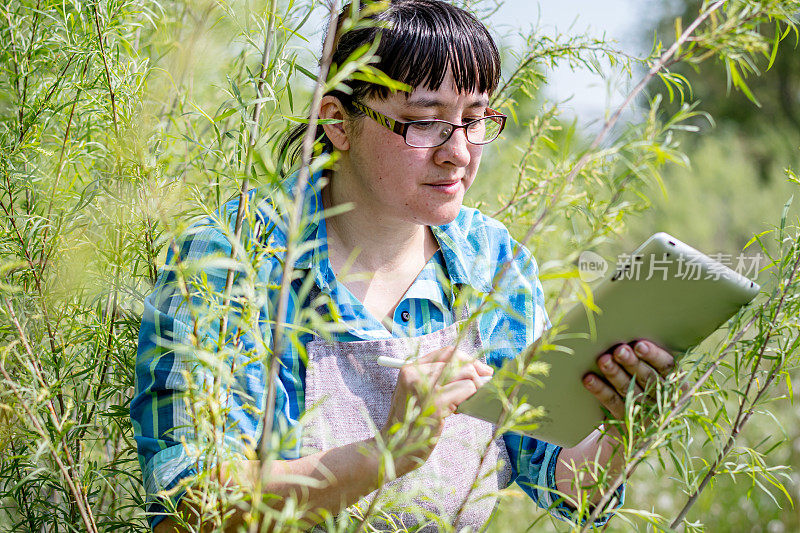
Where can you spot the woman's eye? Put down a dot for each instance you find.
(423, 125)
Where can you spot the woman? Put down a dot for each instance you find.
(409, 248)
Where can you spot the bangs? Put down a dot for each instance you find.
(419, 50)
(421, 39)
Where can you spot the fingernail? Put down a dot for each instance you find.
(623, 353)
(589, 381)
(605, 362)
(642, 348)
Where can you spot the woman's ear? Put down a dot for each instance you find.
(331, 109)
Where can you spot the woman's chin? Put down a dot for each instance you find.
(443, 215)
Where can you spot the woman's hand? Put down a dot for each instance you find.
(641, 361)
(434, 385)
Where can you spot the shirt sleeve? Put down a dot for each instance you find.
(521, 295)
(174, 373)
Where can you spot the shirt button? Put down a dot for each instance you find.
(405, 315)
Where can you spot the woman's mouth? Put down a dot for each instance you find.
(447, 187)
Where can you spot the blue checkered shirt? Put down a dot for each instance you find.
(472, 250)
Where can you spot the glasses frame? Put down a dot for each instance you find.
(401, 128)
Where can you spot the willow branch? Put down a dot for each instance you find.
(75, 484)
(675, 410)
(105, 67)
(662, 62)
(295, 217)
(24, 96)
(59, 169)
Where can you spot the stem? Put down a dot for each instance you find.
(105, 67)
(27, 62)
(476, 479)
(24, 503)
(15, 61)
(660, 64)
(533, 56)
(674, 411)
(51, 409)
(45, 100)
(371, 508)
(535, 135)
(111, 312)
(655, 69)
(295, 217)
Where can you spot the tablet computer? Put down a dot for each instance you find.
(667, 292)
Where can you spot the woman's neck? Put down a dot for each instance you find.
(371, 242)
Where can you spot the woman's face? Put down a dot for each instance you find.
(420, 185)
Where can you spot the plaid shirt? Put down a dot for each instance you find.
(472, 250)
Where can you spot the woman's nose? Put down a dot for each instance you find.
(455, 150)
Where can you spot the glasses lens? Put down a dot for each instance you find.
(484, 130)
(432, 133)
(427, 134)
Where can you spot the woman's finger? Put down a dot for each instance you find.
(644, 374)
(616, 375)
(606, 395)
(430, 367)
(472, 371)
(450, 396)
(440, 374)
(655, 356)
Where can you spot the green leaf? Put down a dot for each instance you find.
(739, 83)
(784, 213)
(226, 114)
(305, 71)
(775, 43)
(756, 238)
(789, 388)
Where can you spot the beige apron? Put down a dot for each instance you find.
(348, 395)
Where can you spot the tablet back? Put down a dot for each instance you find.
(668, 293)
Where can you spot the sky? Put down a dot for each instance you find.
(620, 20)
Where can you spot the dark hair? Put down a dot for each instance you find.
(419, 41)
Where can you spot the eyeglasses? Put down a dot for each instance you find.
(435, 132)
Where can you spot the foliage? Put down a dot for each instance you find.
(122, 121)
